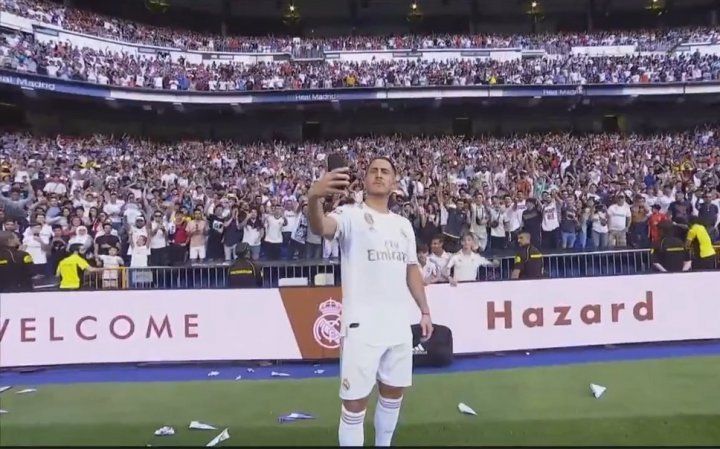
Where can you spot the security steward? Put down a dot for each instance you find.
(528, 259)
(70, 270)
(698, 240)
(244, 273)
(670, 254)
(16, 267)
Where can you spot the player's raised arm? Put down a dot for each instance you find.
(332, 182)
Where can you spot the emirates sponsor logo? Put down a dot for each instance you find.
(326, 329)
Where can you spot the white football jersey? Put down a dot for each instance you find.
(375, 250)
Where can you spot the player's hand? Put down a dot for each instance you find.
(426, 327)
(332, 182)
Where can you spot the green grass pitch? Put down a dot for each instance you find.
(657, 402)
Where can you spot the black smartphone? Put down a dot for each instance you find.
(336, 160)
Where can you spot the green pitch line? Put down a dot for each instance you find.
(660, 402)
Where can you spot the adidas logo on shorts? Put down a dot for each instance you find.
(419, 350)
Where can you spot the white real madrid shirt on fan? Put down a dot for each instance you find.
(376, 249)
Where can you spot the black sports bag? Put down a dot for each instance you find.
(438, 351)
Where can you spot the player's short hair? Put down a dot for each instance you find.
(384, 158)
(423, 248)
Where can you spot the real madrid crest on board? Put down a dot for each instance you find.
(326, 329)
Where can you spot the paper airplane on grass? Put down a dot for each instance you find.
(2, 412)
(294, 416)
(319, 371)
(213, 373)
(597, 390)
(27, 390)
(224, 435)
(5, 388)
(238, 377)
(465, 409)
(201, 426)
(165, 431)
(277, 374)
(250, 370)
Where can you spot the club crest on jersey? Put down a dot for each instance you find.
(369, 220)
(345, 384)
(326, 329)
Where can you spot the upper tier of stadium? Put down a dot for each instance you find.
(89, 63)
(117, 29)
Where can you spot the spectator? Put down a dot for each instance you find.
(216, 231)
(600, 227)
(569, 226)
(466, 262)
(550, 220)
(273, 232)
(178, 250)
(479, 218)
(639, 216)
(83, 239)
(159, 233)
(654, 221)
(299, 235)
(708, 214)
(513, 217)
(428, 269)
(532, 221)
(37, 245)
(111, 264)
(439, 257)
(106, 239)
(253, 233)
(498, 235)
(233, 233)
(58, 249)
(197, 230)
(291, 213)
(140, 252)
(680, 212)
(619, 216)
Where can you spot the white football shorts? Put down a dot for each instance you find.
(362, 365)
(197, 253)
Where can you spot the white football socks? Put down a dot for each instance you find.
(386, 418)
(350, 431)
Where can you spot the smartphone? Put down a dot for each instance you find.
(336, 160)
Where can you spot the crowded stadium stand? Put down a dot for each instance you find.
(156, 158)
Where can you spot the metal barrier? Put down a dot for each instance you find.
(559, 265)
(569, 265)
(208, 276)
